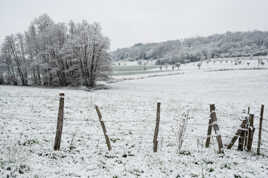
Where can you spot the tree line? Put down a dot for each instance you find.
(55, 54)
(229, 44)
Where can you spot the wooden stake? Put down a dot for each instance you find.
(59, 123)
(212, 108)
(238, 132)
(155, 141)
(241, 140)
(216, 127)
(246, 132)
(250, 132)
(260, 129)
(107, 140)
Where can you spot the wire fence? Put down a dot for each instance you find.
(128, 122)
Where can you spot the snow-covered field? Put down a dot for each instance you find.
(28, 123)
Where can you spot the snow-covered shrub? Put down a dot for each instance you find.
(199, 143)
(71, 146)
(181, 129)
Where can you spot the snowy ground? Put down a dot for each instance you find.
(28, 123)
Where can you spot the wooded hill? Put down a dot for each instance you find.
(229, 44)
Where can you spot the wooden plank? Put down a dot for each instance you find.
(155, 141)
(59, 123)
(107, 140)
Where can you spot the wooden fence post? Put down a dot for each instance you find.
(212, 108)
(59, 123)
(251, 130)
(260, 129)
(238, 132)
(216, 127)
(155, 141)
(246, 132)
(108, 143)
(241, 140)
(243, 135)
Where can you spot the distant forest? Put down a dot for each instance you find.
(229, 44)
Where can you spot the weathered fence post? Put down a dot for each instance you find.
(213, 124)
(246, 130)
(212, 108)
(155, 141)
(260, 129)
(216, 127)
(241, 140)
(243, 135)
(238, 132)
(251, 130)
(59, 123)
(108, 143)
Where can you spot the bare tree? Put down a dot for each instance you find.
(56, 54)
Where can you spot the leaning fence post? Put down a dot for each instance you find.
(238, 132)
(155, 141)
(250, 132)
(59, 123)
(108, 143)
(260, 129)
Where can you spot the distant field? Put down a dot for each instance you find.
(133, 69)
(130, 68)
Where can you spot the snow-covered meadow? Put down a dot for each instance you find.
(28, 123)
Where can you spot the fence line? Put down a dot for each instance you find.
(113, 132)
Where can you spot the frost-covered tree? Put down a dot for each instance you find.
(56, 54)
(14, 56)
(89, 48)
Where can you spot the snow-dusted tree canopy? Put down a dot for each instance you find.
(230, 44)
(55, 54)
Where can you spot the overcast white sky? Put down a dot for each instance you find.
(127, 22)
